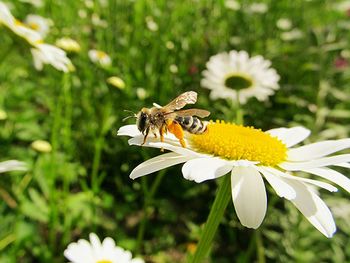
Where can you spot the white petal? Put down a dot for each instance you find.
(332, 176)
(95, 243)
(128, 130)
(345, 165)
(79, 252)
(317, 150)
(323, 185)
(108, 244)
(333, 160)
(12, 165)
(245, 163)
(158, 163)
(249, 196)
(169, 144)
(281, 186)
(314, 209)
(290, 136)
(201, 169)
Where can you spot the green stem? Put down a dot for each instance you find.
(221, 201)
(68, 106)
(260, 251)
(54, 212)
(239, 116)
(149, 194)
(96, 163)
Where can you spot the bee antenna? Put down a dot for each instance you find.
(134, 115)
(130, 112)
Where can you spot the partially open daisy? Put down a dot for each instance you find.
(94, 251)
(251, 155)
(68, 44)
(236, 76)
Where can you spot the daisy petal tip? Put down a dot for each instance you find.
(134, 175)
(128, 130)
(252, 225)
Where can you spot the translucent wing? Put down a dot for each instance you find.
(189, 97)
(190, 112)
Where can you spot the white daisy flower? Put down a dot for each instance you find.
(236, 76)
(12, 165)
(291, 35)
(284, 24)
(151, 24)
(38, 24)
(232, 4)
(251, 156)
(17, 27)
(94, 251)
(99, 57)
(49, 54)
(258, 8)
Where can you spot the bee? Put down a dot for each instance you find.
(171, 118)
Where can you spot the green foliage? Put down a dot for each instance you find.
(82, 185)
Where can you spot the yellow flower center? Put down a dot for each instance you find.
(104, 261)
(238, 81)
(34, 26)
(236, 142)
(101, 54)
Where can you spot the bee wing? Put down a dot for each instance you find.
(189, 97)
(189, 112)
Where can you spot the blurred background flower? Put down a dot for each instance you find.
(116, 82)
(38, 24)
(68, 44)
(238, 77)
(100, 57)
(96, 251)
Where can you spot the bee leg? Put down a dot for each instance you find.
(145, 137)
(175, 128)
(155, 135)
(162, 130)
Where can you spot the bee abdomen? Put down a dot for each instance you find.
(192, 124)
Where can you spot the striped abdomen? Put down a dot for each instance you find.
(192, 124)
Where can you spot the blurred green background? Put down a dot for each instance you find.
(159, 49)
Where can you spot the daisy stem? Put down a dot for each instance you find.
(149, 194)
(239, 116)
(53, 197)
(260, 251)
(221, 201)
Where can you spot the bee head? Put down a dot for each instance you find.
(142, 119)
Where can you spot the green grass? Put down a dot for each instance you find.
(82, 186)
